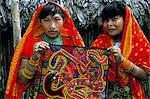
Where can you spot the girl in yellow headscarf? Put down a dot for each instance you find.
(50, 24)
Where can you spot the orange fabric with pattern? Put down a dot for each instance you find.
(135, 47)
(70, 36)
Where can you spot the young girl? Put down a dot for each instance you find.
(129, 51)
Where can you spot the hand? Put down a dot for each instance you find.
(116, 52)
(39, 49)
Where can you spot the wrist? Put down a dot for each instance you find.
(34, 61)
(35, 57)
(127, 65)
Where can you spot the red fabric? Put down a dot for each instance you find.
(33, 34)
(41, 96)
(135, 47)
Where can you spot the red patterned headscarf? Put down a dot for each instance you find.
(14, 89)
(135, 47)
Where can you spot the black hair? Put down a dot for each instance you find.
(50, 9)
(113, 9)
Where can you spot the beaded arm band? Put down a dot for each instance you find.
(33, 62)
(26, 75)
(28, 71)
(127, 65)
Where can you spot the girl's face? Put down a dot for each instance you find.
(114, 26)
(52, 25)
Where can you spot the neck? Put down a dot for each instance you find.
(117, 38)
(50, 37)
(55, 41)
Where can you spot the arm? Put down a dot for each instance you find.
(29, 66)
(128, 66)
(139, 73)
(133, 69)
(26, 71)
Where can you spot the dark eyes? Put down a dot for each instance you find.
(113, 19)
(46, 20)
(55, 19)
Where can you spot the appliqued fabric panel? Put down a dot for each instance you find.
(73, 72)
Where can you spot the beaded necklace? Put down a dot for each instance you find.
(53, 41)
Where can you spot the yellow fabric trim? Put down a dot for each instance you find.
(127, 48)
(14, 63)
(15, 59)
(15, 92)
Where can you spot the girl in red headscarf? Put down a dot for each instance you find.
(129, 51)
(51, 24)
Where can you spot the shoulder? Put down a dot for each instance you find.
(99, 41)
(101, 37)
(32, 41)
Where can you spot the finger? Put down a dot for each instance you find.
(36, 45)
(40, 49)
(115, 51)
(111, 51)
(45, 44)
(36, 50)
(115, 54)
(109, 48)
